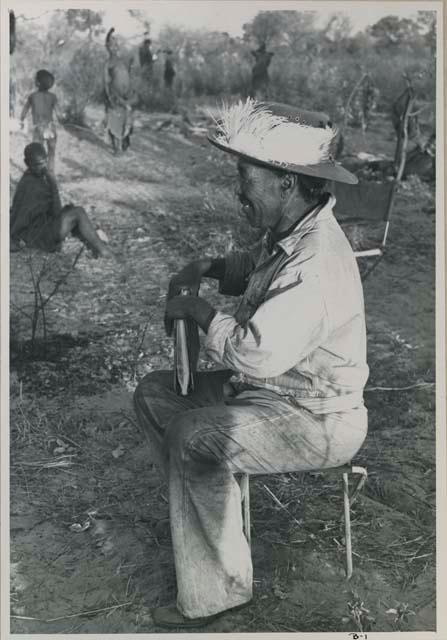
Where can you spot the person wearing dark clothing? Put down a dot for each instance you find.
(169, 70)
(146, 57)
(12, 32)
(260, 77)
(37, 218)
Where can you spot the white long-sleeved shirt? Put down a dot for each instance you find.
(300, 327)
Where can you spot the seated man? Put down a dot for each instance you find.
(38, 219)
(290, 394)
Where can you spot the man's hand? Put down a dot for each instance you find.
(189, 277)
(186, 308)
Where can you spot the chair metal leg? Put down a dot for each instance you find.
(347, 502)
(347, 510)
(245, 500)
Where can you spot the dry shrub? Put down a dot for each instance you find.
(82, 81)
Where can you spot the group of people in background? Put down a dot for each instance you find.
(38, 218)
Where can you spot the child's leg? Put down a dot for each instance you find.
(51, 150)
(76, 220)
(126, 142)
(37, 135)
(114, 141)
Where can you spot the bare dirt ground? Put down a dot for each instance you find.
(90, 550)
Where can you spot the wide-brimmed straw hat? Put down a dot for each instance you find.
(281, 136)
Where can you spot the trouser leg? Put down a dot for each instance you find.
(157, 407)
(156, 403)
(202, 447)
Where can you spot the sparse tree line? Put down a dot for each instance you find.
(314, 66)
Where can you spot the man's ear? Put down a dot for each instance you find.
(288, 181)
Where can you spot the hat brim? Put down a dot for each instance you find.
(327, 170)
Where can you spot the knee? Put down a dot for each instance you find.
(152, 384)
(72, 214)
(189, 438)
(179, 435)
(77, 211)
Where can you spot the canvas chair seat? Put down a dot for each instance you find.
(363, 211)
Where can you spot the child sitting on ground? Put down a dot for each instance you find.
(38, 219)
(43, 105)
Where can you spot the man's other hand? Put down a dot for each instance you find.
(188, 308)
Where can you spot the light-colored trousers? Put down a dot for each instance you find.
(200, 442)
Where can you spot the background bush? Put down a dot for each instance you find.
(315, 67)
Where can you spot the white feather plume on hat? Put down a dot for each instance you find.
(254, 130)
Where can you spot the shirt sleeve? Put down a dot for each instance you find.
(238, 267)
(283, 331)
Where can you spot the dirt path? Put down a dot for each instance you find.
(87, 506)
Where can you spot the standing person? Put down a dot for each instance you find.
(44, 110)
(37, 217)
(289, 396)
(146, 57)
(370, 95)
(260, 76)
(169, 72)
(117, 88)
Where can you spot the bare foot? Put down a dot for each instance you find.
(105, 252)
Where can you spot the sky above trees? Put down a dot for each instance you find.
(228, 15)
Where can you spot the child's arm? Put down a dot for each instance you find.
(55, 197)
(26, 108)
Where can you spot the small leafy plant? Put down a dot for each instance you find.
(358, 614)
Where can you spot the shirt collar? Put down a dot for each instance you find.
(322, 211)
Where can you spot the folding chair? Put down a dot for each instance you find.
(364, 210)
(348, 499)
